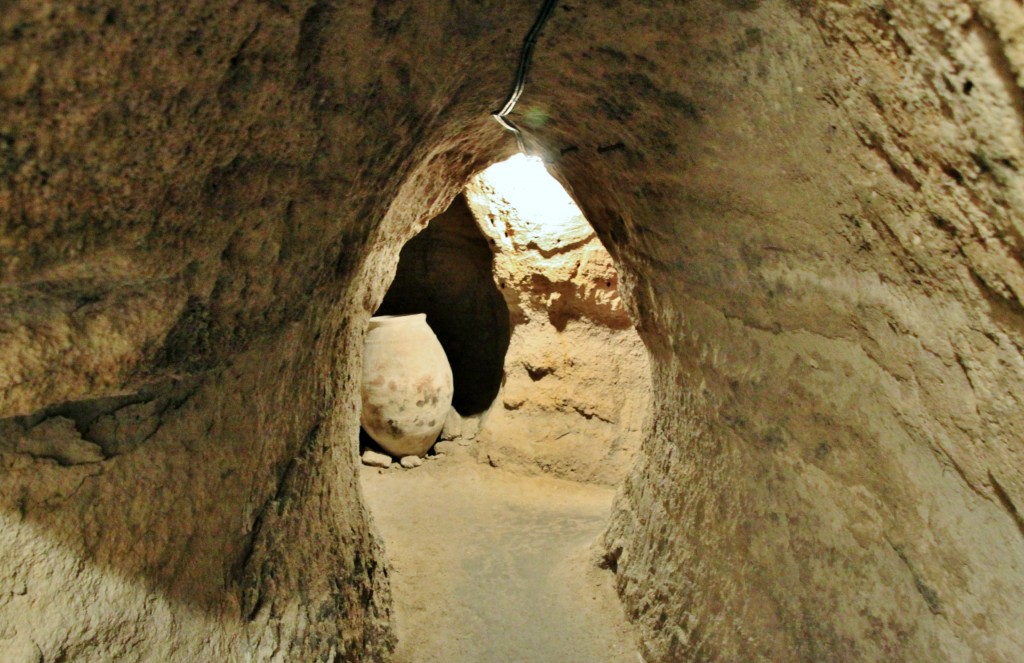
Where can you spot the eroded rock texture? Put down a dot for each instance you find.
(816, 209)
(821, 222)
(200, 207)
(577, 383)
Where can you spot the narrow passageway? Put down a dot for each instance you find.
(488, 561)
(491, 566)
(785, 325)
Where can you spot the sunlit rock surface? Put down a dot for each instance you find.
(577, 383)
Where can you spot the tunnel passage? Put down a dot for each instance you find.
(571, 403)
(817, 205)
(577, 383)
(447, 272)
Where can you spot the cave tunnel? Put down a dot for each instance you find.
(815, 208)
(547, 367)
(523, 297)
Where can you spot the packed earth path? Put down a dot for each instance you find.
(487, 566)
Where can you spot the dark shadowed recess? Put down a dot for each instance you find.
(447, 272)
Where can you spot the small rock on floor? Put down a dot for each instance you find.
(444, 447)
(374, 459)
(409, 462)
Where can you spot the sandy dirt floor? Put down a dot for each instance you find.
(490, 566)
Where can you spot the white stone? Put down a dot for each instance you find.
(452, 426)
(444, 447)
(374, 459)
(409, 462)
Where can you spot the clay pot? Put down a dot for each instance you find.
(407, 384)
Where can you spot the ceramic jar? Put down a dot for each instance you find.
(407, 384)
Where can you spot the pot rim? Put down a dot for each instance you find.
(387, 320)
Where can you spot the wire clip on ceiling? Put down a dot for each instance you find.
(502, 116)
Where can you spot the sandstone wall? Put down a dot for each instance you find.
(817, 208)
(199, 209)
(577, 383)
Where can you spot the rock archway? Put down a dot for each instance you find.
(816, 209)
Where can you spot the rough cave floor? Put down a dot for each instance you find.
(488, 565)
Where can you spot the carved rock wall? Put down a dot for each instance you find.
(199, 209)
(816, 206)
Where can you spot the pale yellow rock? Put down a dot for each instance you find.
(576, 387)
(376, 459)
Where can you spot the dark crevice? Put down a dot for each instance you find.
(115, 425)
(538, 372)
(1006, 502)
(930, 596)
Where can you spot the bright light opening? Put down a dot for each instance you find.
(540, 211)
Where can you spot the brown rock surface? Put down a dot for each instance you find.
(215, 193)
(816, 206)
(820, 233)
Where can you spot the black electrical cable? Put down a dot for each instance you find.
(524, 66)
